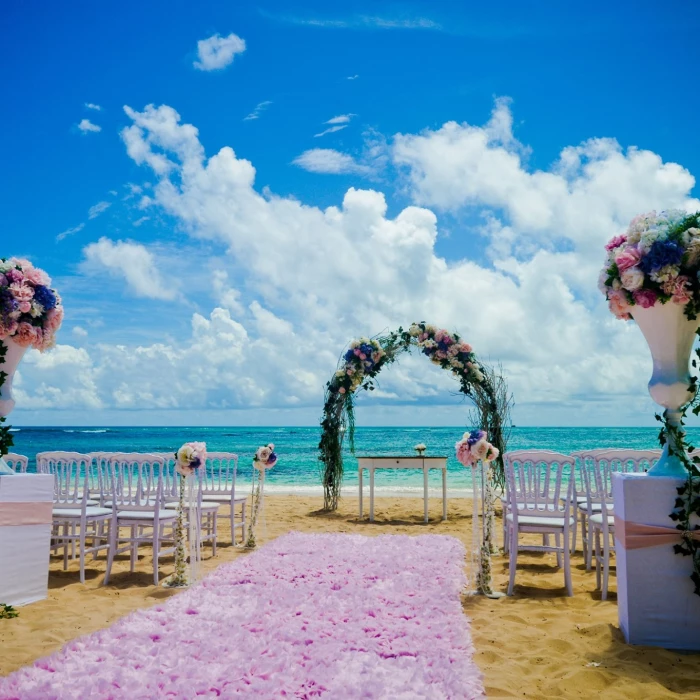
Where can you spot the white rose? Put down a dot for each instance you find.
(185, 454)
(264, 454)
(632, 278)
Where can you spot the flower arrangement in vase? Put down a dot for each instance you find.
(652, 275)
(188, 460)
(30, 315)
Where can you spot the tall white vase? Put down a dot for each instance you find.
(12, 359)
(670, 336)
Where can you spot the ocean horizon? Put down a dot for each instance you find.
(297, 471)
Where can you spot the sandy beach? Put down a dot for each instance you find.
(537, 644)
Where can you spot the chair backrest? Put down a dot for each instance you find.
(627, 460)
(137, 480)
(219, 477)
(535, 480)
(17, 462)
(71, 474)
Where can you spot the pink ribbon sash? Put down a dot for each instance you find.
(638, 536)
(20, 513)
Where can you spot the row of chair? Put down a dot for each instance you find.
(119, 501)
(546, 494)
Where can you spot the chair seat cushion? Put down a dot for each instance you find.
(145, 515)
(597, 519)
(91, 512)
(540, 520)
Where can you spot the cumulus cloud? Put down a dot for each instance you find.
(131, 261)
(80, 331)
(86, 126)
(96, 209)
(523, 291)
(218, 51)
(92, 105)
(329, 161)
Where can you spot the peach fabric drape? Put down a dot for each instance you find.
(20, 513)
(638, 536)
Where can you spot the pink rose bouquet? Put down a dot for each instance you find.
(474, 447)
(190, 457)
(265, 457)
(30, 310)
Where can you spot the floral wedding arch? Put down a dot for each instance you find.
(358, 369)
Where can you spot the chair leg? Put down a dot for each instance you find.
(244, 529)
(557, 540)
(597, 559)
(113, 532)
(82, 553)
(573, 539)
(505, 533)
(586, 541)
(66, 546)
(215, 525)
(606, 566)
(513, 558)
(156, 551)
(567, 568)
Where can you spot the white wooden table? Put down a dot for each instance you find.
(371, 464)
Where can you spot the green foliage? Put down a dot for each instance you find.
(338, 418)
(7, 612)
(6, 440)
(687, 504)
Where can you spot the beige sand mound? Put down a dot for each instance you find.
(537, 644)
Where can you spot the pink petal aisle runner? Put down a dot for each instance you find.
(306, 616)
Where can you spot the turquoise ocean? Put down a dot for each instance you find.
(297, 470)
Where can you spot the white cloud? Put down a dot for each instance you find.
(361, 22)
(70, 232)
(524, 291)
(133, 262)
(218, 51)
(340, 119)
(259, 109)
(353, 77)
(80, 331)
(329, 161)
(141, 221)
(97, 209)
(86, 125)
(91, 105)
(332, 130)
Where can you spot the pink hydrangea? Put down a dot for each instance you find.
(646, 298)
(25, 335)
(37, 277)
(678, 289)
(23, 263)
(14, 276)
(619, 306)
(22, 292)
(54, 318)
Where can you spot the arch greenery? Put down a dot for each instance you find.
(364, 360)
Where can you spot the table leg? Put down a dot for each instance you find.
(371, 495)
(425, 493)
(444, 494)
(359, 478)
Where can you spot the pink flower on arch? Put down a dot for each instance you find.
(25, 335)
(619, 306)
(37, 277)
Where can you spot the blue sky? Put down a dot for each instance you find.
(559, 74)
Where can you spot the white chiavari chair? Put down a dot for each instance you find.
(220, 487)
(137, 483)
(76, 518)
(19, 463)
(539, 502)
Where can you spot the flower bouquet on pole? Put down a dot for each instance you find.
(188, 460)
(264, 459)
(475, 451)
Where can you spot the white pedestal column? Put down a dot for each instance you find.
(656, 603)
(26, 502)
